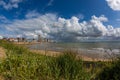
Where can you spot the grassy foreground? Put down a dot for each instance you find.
(21, 64)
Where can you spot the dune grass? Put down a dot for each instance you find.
(21, 64)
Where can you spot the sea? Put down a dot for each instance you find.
(101, 49)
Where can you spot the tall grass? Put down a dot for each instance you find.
(21, 64)
(67, 67)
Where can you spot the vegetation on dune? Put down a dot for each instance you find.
(110, 72)
(21, 64)
(67, 67)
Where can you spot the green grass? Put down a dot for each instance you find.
(110, 72)
(21, 64)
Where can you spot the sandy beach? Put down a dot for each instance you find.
(79, 56)
(26, 43)
(84, 56)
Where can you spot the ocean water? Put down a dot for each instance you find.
(81, 45)
(96, 49)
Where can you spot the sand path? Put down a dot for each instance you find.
(2, 53)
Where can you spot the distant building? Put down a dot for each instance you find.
(13, 39)
(5, 39)
(34, 40)
(39, 38)
(45, 40)
(21, 39)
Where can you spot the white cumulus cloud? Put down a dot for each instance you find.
(51, 26)
(114, 4)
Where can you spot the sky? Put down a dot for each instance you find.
(61, 20)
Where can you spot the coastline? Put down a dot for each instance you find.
(26, 43)
(79, 56)
(47, 53)
(85, 55)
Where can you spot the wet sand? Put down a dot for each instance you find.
(83, 56)
(86, 55)
(47, 53)
(79, 56)
(26, 43)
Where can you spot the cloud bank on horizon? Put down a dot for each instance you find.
(51, 26)
(58, 28)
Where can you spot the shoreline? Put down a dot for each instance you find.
(86, 55)
(29, 43)
(79, 56)
(55, 54)
(26, 43)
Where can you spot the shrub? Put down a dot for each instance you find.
(111, 72)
